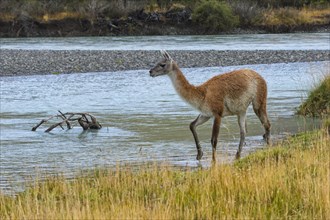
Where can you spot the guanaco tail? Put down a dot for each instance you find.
(223, 95)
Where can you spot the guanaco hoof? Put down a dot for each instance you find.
(266, 138)
(199, 155)
(238, 156)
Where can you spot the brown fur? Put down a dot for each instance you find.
(226, 94)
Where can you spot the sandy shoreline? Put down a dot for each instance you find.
(31, 62)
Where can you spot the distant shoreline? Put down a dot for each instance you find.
(137, 26)
(43, 62)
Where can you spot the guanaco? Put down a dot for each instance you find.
(223, 95)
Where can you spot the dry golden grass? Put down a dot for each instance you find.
(294, 17)
(60, 16)
(6, 17)
(318, 16)
(286, 181)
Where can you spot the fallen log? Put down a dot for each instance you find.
(85, 120)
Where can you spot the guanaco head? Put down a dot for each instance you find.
(163, 67)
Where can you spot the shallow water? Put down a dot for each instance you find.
(293, 41)
(143, 119)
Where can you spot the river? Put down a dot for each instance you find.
(143, 120)
(293, 41)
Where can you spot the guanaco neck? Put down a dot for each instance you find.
(190, 93)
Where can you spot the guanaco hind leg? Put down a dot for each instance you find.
(261, 112)
(242, 126)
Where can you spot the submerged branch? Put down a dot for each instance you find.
(85, 120)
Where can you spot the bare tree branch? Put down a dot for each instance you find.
(67, 122)
(81, 118)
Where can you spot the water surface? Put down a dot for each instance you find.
(143, 119)
(293, 41)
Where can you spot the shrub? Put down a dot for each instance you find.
(214, 15)
(284, 17)
(94, 9)
(318, 101)
(248, 12)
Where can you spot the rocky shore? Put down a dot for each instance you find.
(29, 62)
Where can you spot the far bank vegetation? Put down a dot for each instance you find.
(211, 16)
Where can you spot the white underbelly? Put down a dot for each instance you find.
(226, 112)
(235, 107)
(203, 109)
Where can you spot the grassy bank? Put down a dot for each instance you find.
(318, 101)
(288, 19)
(290, 180)
(150, 17)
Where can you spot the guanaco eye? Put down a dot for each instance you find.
(162, 65)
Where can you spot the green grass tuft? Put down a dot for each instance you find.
(318, 101)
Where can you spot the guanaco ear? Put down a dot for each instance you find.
(166, 55)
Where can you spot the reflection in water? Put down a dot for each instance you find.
(143, 119)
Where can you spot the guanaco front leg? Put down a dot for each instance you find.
(215, 134)
(198, 121)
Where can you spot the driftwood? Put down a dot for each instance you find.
(85, 120)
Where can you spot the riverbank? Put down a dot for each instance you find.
(128, 27)
(31, 62)
(289, 180)
(140, 18)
